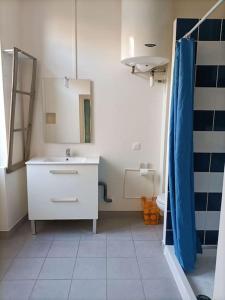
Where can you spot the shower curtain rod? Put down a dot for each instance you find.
(203, 18)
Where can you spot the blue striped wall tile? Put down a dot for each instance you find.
(209, 98)
(184, 25)
(195, 52)
(200, 201)
(206, 76)
(203, 120)
(209, 141)
(201, 236)
(168, 201)
(219, 122)
(212, 220)
(210, 53)
(211, 237)
(214, 201)
(168, 221)
(223, 31)
(217, 162)
(210, 30)
(201, 162)
(221, 77)
(200, 220)
(169, 237)
(208, 182)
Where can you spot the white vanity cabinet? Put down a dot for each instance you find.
(62, 188)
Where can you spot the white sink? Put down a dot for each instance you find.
(66, 159)
(63, 160)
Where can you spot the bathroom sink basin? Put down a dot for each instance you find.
(66, 159)
(54, 160)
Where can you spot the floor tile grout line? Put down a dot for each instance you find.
(74, 268)
(13, 259)
(50, 244)
(74, 256)
(22, 246)
(40, 271)
(7, 269)
(139, 269)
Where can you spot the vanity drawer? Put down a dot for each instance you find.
(64, 207)
(62, 192)
(61, 174)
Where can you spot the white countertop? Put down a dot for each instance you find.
(62, 160)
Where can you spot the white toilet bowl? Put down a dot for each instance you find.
(160, 201)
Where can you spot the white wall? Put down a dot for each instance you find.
(197, 8)
(125, 109)
(16, 188)
(9, 37)
(10, 23)
(3, 202)
(3, 148)
(13, 199)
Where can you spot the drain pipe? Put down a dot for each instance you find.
(104, 185)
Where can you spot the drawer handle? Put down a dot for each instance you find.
(63, 171)
(64, 200)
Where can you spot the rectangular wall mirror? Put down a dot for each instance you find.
(67, 110)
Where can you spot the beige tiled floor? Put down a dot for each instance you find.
(124, 261)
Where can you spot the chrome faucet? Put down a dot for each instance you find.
(68, 154)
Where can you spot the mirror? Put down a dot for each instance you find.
(67, 110)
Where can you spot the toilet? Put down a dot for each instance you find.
(160, 201)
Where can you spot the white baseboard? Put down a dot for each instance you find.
(180, 278)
